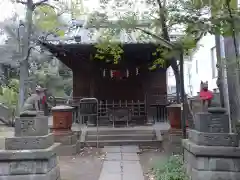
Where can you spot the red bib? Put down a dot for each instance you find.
(44, 99)
(206, 95)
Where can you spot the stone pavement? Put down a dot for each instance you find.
(121, 163)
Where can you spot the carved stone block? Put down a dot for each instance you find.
(31, 142)
(53, 174)
(211, 123)
(213, 139)
(22, 167)
(31, 126)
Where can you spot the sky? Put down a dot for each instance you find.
(7, 8)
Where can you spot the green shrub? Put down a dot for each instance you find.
(9, 98)
(173, 169)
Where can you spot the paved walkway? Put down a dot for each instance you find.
(121, 163)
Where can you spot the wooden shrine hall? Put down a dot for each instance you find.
(129, 83)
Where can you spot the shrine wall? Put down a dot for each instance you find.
(133, 88)
(155, 86)
(81, 84)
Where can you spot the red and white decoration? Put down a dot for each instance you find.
(104, 73)
(137, 71)
(127, 73)
(120, 74)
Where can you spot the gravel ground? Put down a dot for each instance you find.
(148, 158)
(87, 165)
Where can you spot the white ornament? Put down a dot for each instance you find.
(111, 73)
(104, 73)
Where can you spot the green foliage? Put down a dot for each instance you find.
(173, 169)
(161, 54)
(109, 51)
(49, 78)
(68, 84)
(9, 95)
(181, 13)
(14, 85)
(46, 19)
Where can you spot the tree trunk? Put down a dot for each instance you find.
(233, 81)
(173, 60)
(220, 81)
(24, 64)
(177, 77)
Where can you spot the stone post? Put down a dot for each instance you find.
(62, 124)
(175, 134)
(30, 154)
(212, 152)
(174, 141)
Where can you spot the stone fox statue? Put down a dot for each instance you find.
(32, 105)
(205, 95)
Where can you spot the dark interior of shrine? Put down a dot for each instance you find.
(135, 83)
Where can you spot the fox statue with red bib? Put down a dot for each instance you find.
(205, 95)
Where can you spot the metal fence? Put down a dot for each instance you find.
(140, 110)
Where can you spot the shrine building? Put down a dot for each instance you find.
(128, 83)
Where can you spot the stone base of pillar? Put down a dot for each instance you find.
(32, 164)
(175, 141)
(211, 162)
(212, 152)
(31, 153)
(70, 144)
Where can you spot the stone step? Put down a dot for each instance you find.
(141, 143)
(122, 137)
(120, 131)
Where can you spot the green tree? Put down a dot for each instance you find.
(190, 18)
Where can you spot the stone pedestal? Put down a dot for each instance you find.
(70, 144)
(62, 124)
(175, 141)
(212, 152)
(30, 154)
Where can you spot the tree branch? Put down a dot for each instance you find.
(163, 21)
(22, 2)
(39, 3)
(162, 40)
